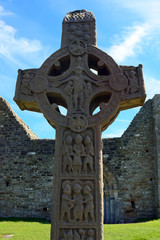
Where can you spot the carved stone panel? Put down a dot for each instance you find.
(78, 234)
(78, 153)
(77, 202)
(79, 25)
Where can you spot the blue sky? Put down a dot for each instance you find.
(30, 31)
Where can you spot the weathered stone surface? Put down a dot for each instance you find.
(65, 79)
(156, 114)
(131, 169)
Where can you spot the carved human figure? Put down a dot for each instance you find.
(78, 149)
(82, 232)
(88, 90)
(77, 86)
(88, 159)
(78, 89)
(88, 200)
(67, 203)
(69, 235)
(78, 202)
(67, 155)
(133, 82)
(81, 87)
(68, 89)
(90, 234)
(76, 235)
(25, 87)
(73, 235)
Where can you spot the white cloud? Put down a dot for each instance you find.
(4, 12)
(12, 46)
(152, 86)
(115, 134)
(148, 9)
(123, 120)
(130, 42)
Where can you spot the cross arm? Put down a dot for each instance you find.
(24, 96)
(134, 95)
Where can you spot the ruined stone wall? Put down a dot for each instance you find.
(156, 116)
(130, 169)
(26, 168)
(132, 158)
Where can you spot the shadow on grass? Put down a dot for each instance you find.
(39, 220)
(145, 220)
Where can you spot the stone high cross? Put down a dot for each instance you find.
(82, 79)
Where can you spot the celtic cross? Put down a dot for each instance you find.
(93, 89)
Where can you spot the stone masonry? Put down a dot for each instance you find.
(131, 168)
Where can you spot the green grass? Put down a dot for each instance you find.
(25, 229)
(35, 229)
(149, 230)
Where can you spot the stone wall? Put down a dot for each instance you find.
(26, 166)
(156, 126)
(132, 159)
(131, 168)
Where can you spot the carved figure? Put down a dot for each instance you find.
(88, 90)
(25, 87)
(88, 200)
(69, 235)
(88, 160)
(133, 82)
(78, 149)
(67, 155)
(68, 89)
(90, 234)
(82, 232)
(78, 202)
(67, 203)
(79, 85)
(76, 235)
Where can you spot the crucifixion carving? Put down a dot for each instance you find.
(93, 89)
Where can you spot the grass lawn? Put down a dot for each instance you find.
(20, 229)
(134, 231)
